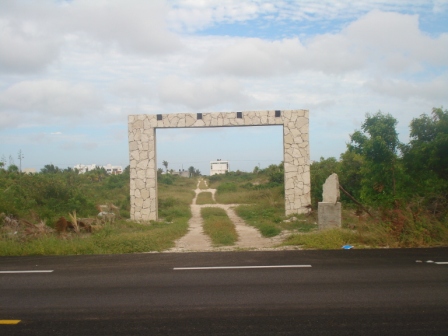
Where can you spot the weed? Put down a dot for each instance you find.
(205, 198)
(119, 237)
(219, 227)
(202, 184)
(262, 217)
(325, 239)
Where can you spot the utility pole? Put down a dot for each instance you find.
(20, 157)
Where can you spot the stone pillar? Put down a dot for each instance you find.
(329, 211)
(142, 156)
(296, 157)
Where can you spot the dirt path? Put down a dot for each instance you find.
(196, 240)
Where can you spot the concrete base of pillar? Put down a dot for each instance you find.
(329, 215)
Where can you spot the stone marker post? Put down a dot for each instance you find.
(329, 210)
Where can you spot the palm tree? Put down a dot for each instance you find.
(165, 164)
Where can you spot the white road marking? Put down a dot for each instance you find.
(442, 263)
(41, 271)
(236, 267)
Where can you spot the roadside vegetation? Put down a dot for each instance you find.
(205, 198)
(202, 184)
(31, 206)
(392, 194)
(219, 227)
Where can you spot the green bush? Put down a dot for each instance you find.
(226, 187)
(167, 179)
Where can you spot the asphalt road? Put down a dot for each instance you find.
(345, 292)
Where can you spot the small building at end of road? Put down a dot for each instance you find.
(219, 167)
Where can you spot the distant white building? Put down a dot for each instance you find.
(29, 170)
(219, 167)
(85, 168)
(113, 170)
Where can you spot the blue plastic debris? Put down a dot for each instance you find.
(347, 247)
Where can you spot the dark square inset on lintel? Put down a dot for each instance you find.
(199, 116)
(278, 113)
(239, 115)
(159, 117)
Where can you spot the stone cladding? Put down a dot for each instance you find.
(142, 152)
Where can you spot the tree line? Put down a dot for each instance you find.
(383, 173)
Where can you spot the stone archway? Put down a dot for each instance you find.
(142, 152)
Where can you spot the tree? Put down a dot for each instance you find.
(50, 169)
(377, 144)
(97, 175)
(276, 173)
(426, 155)
(165, 164)
(192, 171)
(13, 169)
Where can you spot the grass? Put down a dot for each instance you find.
(273, 197)
(261, 205)
(265, 219)
(365, 232)
(219, 227)
(202, 184)
(122, 236)
(323, 240)
(270, 220)
(205, 198)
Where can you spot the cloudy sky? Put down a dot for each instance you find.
(71, 72)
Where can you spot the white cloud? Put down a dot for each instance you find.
(433, 91)
(131, 88)
(88, 64)
(194, 15)
(32, 34)
(388, 41)
(48, 100)
(135, 26)
(384, 36)
(24, 50)
(254, 57)
(200, 93)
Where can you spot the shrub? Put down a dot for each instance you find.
(226, 187)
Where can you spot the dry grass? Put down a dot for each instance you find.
(203, 185)
(205, 198)
(74, 221)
